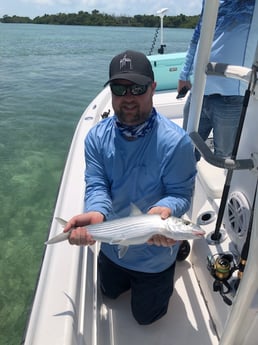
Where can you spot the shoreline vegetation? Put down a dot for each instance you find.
(95, 18)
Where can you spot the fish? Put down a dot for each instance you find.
(134, 230)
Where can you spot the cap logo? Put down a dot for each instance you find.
(126, 63)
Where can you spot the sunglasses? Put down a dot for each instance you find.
(135, 89)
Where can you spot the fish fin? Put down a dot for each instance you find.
(61, 221)
(117, 241)
(59, 238)
(122, 250)
(135, 211)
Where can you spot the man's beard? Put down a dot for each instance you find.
(131, 120)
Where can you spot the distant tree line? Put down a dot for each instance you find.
(95, 18)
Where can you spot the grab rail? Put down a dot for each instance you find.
(229, 71)
(226, 163)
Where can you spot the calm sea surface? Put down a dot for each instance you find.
(48, 75)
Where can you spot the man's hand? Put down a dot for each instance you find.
(159, 240)
(79, 235)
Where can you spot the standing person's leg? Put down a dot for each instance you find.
(205, 124)
(226, 112)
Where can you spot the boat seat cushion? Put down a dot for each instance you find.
(212, 179)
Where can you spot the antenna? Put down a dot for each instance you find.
(161, 14)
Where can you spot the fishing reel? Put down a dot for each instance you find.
(221, 267)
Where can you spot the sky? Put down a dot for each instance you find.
(34, 8)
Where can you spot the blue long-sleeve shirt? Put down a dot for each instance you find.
(155, 170)
(234, 43)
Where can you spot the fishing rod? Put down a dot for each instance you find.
(217, 234)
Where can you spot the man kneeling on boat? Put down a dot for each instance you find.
(137, 157)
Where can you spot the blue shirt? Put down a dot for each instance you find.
(230, 44)
(155, 170)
